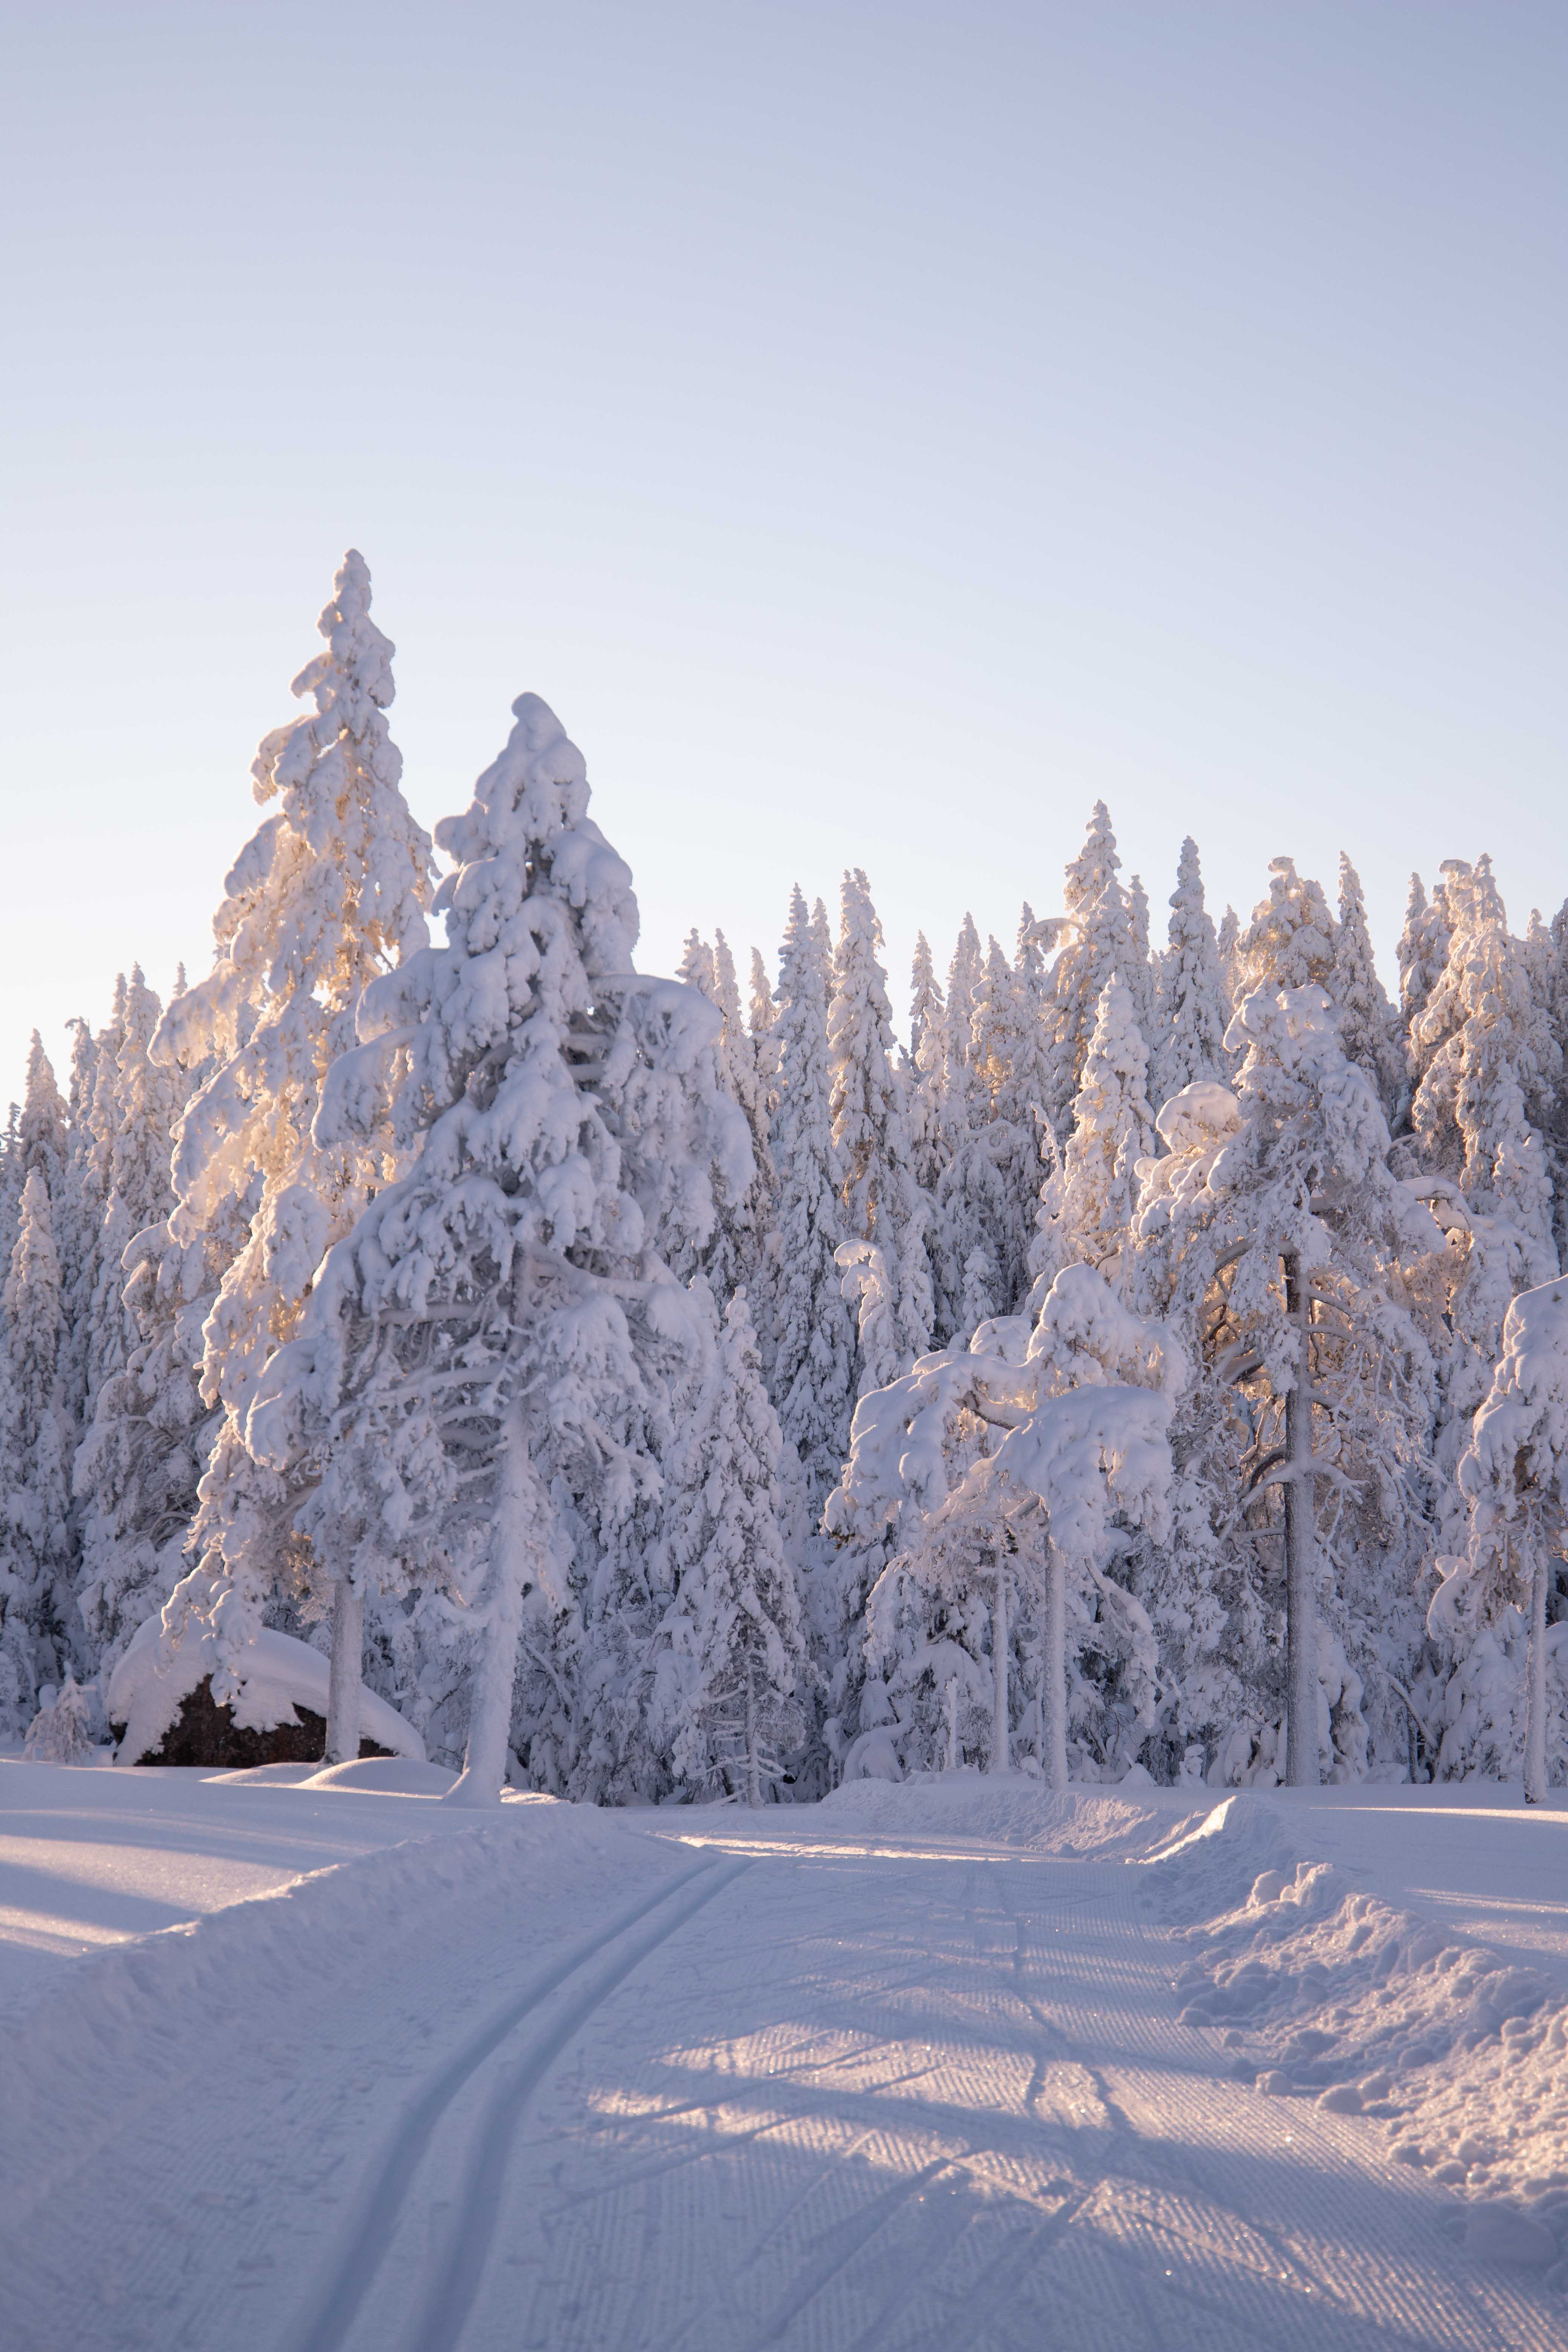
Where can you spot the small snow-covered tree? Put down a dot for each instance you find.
(1023, 1460)
(1195, 1007)
(730, 1654)
(810, 1361)
(474, 1366)
(1087, 1208)
(1514, 1476)
(61, 1731)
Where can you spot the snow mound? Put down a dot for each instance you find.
(1325, 1991)
(146, 1691)
(1004, 1811)
(1209, 1859)
(384, 1776)
(139, 2021)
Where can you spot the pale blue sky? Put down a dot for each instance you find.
(879, 431)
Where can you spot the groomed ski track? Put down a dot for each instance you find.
(809, 2081)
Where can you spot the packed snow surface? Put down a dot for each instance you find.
(307, 2059)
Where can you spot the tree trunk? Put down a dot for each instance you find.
(999, 1672)
(1300, 1589)
(754, 1773)
(516, 1544)
(1535, 1733)
(1054, 1670)
(346, 1679)
(951, 1702)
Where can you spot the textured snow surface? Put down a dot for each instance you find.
(948, 2062)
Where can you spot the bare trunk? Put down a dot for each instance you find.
(1300, 1593)
(999, 1673)
(516, 1544)
(344, 1681)
(1535, 1733)
(1053, 1672)
(753, 1772)
(951, 1702)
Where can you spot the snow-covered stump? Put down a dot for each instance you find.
(347, 1665)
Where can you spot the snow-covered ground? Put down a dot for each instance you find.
(306, 2061)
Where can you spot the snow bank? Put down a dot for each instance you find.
(1010, 1810)
(134, 2024)
(147, 1691)
(384, 1776)
(1324, 1991)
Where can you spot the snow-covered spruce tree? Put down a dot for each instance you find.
(1289, 943)
(1488, 1056)
(1087, 1208)
(1024, 1457)
(1369, 1028)
(1300, 1273)
(1195, 1008)
(927, 1003)
(1514, 1476)
(136, 1105)
(36, 1441)
(1010, 1061)
(729, 1659)
(1227, 938)
(884, 1213)
(974, 1214)
(744, 1076)
(1144, 978)
(1098, 942)
(328, 893)
(810, 1361)
(79, 1218)
(1422, 952)
(761, 1014)
(146, 1440)
(473, 1366)
(928, 1016)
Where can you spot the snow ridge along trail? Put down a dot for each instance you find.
(905, 2071)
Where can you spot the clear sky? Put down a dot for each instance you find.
(878, 430)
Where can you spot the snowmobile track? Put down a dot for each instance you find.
(381, 2212)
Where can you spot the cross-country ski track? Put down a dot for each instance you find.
(905, 2070)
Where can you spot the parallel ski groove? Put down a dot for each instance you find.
(376, 2226)
(456, 2283)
